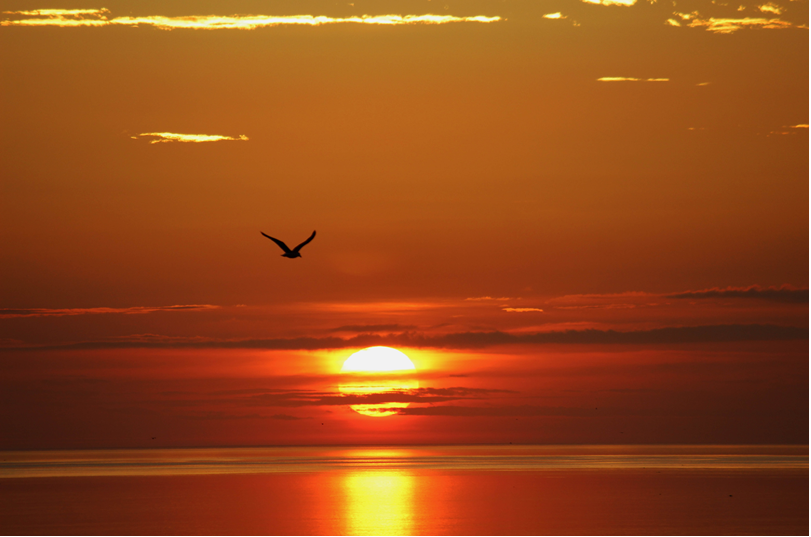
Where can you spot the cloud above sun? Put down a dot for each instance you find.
(103, 17)
(457, 340)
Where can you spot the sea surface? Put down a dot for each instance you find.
(413, 490)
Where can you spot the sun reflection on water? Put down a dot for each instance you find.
(379, 502)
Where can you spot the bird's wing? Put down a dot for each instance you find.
(282, 245)
(300, 246)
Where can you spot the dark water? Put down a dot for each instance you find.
(468, 490)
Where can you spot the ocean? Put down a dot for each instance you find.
(408, 490)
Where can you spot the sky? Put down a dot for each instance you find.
(583, 221)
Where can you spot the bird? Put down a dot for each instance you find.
(287, 251)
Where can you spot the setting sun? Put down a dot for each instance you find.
(378, 370)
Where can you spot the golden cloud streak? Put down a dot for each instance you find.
(626, 3)
(521, 310)
(628, 79)
(728, 26)
(554, 16)
(162, 137)
(771, 7)
(98, 17)
(60, 12)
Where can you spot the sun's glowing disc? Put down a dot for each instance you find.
(378, 370)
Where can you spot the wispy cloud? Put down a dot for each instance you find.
(729, 25)
(485, 298)
(50, 312)
(61, 12)
(365, 328)
(163, 137)
(554, 16)
(791, 129)
(626, 3)
(473, 411)
(771, 7)
(306, 398)
(629, 79)
(468, 340)
(102, 17)
(775, 294)
(521, 310)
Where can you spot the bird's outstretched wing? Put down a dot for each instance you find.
(300, 246)
(282, 245)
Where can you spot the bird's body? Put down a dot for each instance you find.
(291, 254)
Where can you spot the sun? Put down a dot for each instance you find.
(377, 370)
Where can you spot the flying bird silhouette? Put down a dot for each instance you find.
(287, 251)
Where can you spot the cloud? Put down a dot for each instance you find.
(626, 3)
(61, 12)
(791, 129)
(372, 328)
(771, 7)
(477, 411)
(484, 298)
(628, 79)
(303, 398)
(521, 310)
(728, 26)
(554, 16)
(101, 17)
(163, 137)
(467, 340)
(775, 294)
(49, 312)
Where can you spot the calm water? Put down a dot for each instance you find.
(470, 490)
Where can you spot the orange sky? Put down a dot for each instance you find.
(584, 228)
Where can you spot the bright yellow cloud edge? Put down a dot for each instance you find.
(162, 137)
(99, 17)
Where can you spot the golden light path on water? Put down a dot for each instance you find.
(379, 502)
(101, 17)
(378, 370)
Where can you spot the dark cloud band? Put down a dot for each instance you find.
(470, 340)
